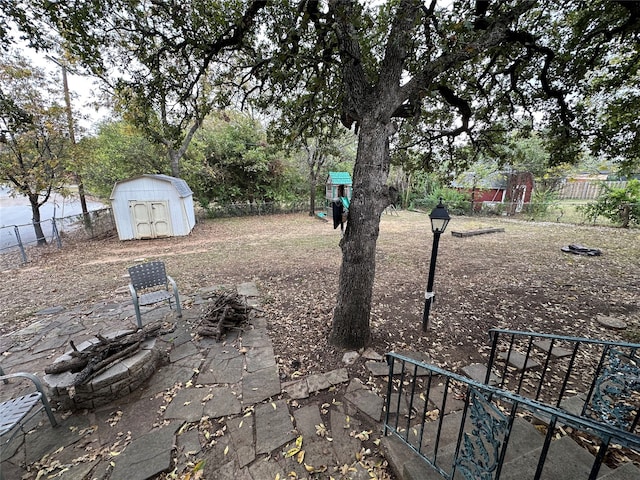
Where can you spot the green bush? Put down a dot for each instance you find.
(620, 205)
(493, 208)
(541, 201)
(457, 203)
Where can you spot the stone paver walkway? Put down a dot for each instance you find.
(215, 407)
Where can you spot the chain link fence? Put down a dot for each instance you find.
(19, 243)
(560, 211)
(253, 209)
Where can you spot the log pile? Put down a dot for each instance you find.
(99, 357)
(228, 310)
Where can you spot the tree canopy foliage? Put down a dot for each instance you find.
(33, 133)
(230, 161)
(570, 66)
(166, 63)
(118, 151)
(419, 76)
(618, 204)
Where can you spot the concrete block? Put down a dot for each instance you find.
(478, 372)
(110, 376)
(517, 360)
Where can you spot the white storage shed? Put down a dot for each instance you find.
(152, 206)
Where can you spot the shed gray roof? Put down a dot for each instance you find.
(178, 183)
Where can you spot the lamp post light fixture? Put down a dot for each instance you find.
(439, 221)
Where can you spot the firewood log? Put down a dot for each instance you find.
(93, 370)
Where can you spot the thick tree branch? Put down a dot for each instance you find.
(399, 44)
(354, 78)
(495, 34)
(549, 90)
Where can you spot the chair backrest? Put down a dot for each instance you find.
(147, 275)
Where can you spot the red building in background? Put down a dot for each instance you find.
(511, 189)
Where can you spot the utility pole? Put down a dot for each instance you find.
(72, 137)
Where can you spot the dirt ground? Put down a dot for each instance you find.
(518, 279)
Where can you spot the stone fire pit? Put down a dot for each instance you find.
(118, 380)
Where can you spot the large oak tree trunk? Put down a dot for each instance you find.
(370, 196)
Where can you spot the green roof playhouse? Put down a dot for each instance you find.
(334, 181)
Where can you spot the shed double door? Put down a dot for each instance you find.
(150, 219)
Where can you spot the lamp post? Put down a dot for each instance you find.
(439, 220)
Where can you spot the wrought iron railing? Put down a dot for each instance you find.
(589, 378)
(461, 427)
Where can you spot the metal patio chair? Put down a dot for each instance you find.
(150, 284)
(16, 412)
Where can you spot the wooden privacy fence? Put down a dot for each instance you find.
(585, 190)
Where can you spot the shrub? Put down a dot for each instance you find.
(541, 201)
(493, 208)
(620, 205)
(457, 203)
